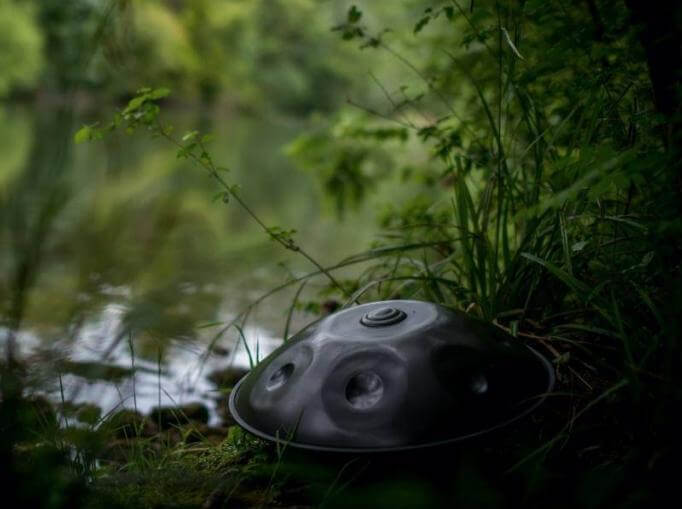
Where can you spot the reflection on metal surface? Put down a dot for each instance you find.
(280, 377)
(390, 376)
(364, 390)
(383, 317)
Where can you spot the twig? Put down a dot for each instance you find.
(287, 243)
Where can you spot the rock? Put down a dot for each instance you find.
(331, 305)
(220, 351)
(223, 411)
(87, 413)
(95, 371)
(129, 423)
(40, 413)
(169, 416)
(125, 450)
(228, 377)
(117, 451)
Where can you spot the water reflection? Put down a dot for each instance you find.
(109, 239)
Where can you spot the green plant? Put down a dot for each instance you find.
(545, 203)
(143, 111)
(549, 200)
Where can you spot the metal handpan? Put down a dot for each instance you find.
(390, 376)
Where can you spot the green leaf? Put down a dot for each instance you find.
(209, 324)
(354, 14)
(83, 134)
(646, 259)
(135, 103)
(159, 93)
(190, 135)
(579, 246)
(511, 44)
(223, 196)
(421, 24)
(572, 282)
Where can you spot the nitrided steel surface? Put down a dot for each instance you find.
(389, 376)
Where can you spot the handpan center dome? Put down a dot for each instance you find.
(382, 317)
(390, 375)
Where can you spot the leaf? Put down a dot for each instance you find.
(135, 103)
(579, 246)
(511, 44)
(354, 14)
(646, 259)
(223, 196)
(421, 24)
(570, 281)
(209, 324)
(624, 220)
(564, 358)
(159, 93)
(190, 135)
(564, 242)
(83, 134)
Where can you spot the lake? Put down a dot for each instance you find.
(116, 257)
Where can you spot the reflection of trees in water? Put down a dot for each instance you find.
(116, 222)
(33, 204)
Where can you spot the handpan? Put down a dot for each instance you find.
(389, 376)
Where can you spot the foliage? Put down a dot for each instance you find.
(142, 111)
(348, 160)
(529, 179)
(549, 198)
(207, 49)
(20, 47)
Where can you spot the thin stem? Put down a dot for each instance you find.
(286, 242)
(132, 363)
(378, 114)
(390, 99)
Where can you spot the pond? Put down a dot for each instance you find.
(116, 259)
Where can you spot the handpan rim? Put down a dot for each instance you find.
(411, 447)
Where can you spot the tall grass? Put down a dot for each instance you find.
(558, 222)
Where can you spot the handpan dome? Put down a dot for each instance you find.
(390, 375)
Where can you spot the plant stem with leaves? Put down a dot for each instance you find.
(143, 111)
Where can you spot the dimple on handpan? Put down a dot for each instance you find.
(389, 376)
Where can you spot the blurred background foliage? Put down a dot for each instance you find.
(206, 50)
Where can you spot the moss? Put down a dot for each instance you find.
(237, 470)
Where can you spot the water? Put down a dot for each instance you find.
(119, 235)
